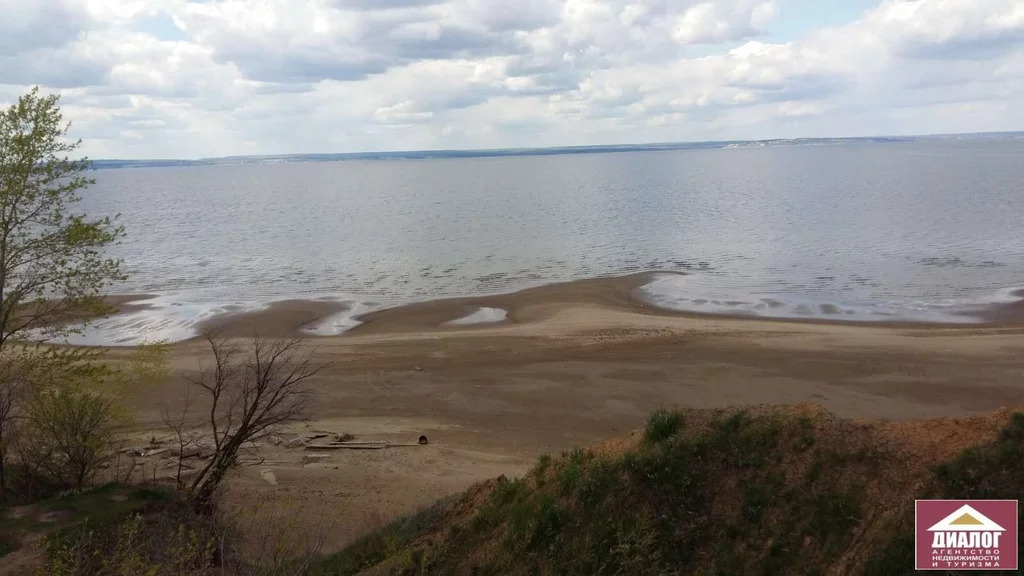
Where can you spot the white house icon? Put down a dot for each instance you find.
(966, 519)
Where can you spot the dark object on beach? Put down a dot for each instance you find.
(423, 440)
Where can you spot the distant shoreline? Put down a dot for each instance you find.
(547, 151)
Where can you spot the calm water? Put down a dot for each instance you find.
(866, 231)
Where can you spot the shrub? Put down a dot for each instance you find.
(150, 532)
(662, 424)
(69, 434)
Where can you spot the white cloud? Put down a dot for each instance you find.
(711, 22)
(152, 78)
(406, 112)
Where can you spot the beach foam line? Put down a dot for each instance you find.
(340, 322)
(177, 317)
(675, 292)
(482, 315)
(174, 318)
(162, 319)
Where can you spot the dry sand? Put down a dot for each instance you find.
(574, 364)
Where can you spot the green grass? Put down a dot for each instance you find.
(654, 509)
(569, 475)
(102, 505)
(662, 424)
(741, 493)
(115, 530)
(543, 463)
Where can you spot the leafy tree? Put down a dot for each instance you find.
(71, 430)
(72, 416)
(31, 369)
(52, 266)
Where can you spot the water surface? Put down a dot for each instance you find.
(862, 231)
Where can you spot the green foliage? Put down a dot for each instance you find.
(67, 514)
(146, 532)
(536, 525)
(662, 424)
(52, 267)
(659, 508)
(543, 463)
(645, 512)
(68, 408)
(571, 471)
(600, 477)
(508, 491)
(744, 442)
(69, 433)
(758, 497)
(79, 556)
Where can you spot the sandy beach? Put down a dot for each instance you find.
(573, 364)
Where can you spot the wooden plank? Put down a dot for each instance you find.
(358, 446)
(346, 447)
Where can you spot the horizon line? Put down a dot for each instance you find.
(554, 150)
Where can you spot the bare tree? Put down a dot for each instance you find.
(189, 441)
(251, 391)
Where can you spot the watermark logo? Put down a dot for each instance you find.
(965, 535)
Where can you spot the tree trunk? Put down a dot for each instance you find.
(202, 499)
(202, 495)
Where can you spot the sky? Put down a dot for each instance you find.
(193, 79)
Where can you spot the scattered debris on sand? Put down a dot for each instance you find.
(268, 476)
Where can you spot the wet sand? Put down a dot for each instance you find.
(284, 319)
(296, 318)
(574, 364)
(1009, 313)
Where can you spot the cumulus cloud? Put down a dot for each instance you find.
(710, 22)
(39, 24)
(151, 78)
(958, 30)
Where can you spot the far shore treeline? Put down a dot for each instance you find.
(503, 152)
